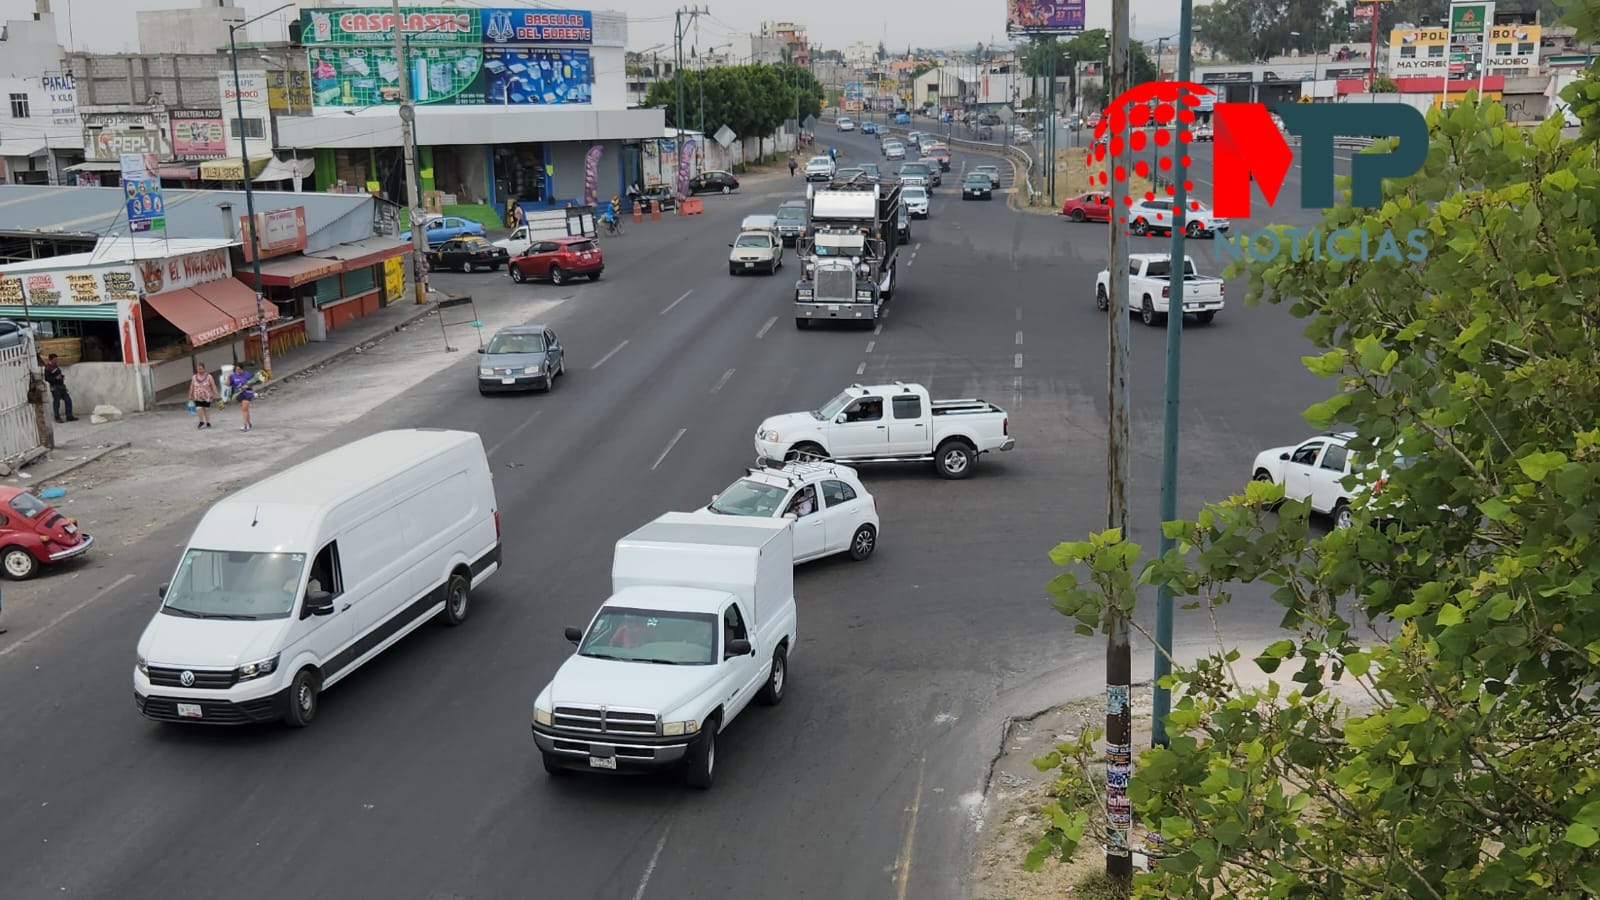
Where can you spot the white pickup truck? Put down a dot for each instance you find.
(1150, 289)
(896, 422)
(700, 622)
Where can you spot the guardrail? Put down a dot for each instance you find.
(1352, 143)
(1011, 151)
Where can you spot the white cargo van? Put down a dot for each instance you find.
(701, 621)
(292, 583)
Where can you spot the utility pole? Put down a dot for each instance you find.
(408, 113)
(1174, 385)
(679, 30)
(1119, 662)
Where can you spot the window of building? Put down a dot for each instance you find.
(1436, 51)
(253, 128)
(1408, 51)
(19, 106)
(1525, 49)
(1502, 49)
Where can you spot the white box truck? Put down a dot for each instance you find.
(700, 622)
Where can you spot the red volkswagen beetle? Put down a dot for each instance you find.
(1094, 206)
(32, 534)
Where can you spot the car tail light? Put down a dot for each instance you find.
(1166, 291)
(1005, 427)
(497, 524)
(1222, 289)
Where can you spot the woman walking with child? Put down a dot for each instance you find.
(202, 393)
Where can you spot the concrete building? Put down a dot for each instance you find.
(795, 48)
(766, 49)
(860, 54)
(201, 27)
(29, 47)
(40, 134)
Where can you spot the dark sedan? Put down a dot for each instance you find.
(519, 358)
(713, 183)
(976, 186)
(661, 197)
(467, 253)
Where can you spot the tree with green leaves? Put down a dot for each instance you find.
(752, 100)
(1462, 602)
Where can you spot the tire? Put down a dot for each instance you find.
(1139, 228)
(553, 767)
(802, 324)
(482, 392)
(561, 367)
(954, 459)
(1342, 515)
(700, 766)
(1147, 313)
(732, 269)
(1077, 215)
(777, 680)
(1207, 317)
(303, 701)
(863, 542)
(1264, 475)
(457, 600)
(19, 563)
(726, 189)
(594, 276)
(557, 276)
(466, 268)
(517, 276)
(1193, 229)
(1101, 301)
(806, 448)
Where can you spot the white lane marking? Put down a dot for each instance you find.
(1019, 314)
(670, 444)
(870, 345)
(1016, 383)
(879, 329)
(885, 313)
(911, 260)
(1019, 339)
(917, 247)
(861, 369)
(650, 867)
(766, 328)
(65, 615)
(722, 381)
(513, 433)
(1018, 363)
(677, 301)
(614, 351)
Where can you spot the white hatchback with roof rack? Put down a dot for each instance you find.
(831, 509)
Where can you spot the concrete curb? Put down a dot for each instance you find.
(93, 456)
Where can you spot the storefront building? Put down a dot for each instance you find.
(509, 104)
(39, 130)
(1276, 82)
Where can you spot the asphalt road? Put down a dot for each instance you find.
(420, 779)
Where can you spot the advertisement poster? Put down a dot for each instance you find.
(685, 164)
(63, 91)
(198, 134)
(1044, 16)
(1469, 28)
(275, 233)
(375, 25)
(370, 76)
(394, 278)
(86, 287)
(141, 187)
(537, 26)
(591, 174)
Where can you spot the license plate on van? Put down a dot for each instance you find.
(607, 762)
(190, 711)
(508, 381)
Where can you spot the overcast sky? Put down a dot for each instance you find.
(108, 25)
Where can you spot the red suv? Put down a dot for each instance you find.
(34, 534)
(558, 259)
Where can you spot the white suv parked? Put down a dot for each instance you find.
(1312, 470)
(831, 508)
(1157, 215)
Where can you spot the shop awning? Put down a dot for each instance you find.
(103, 312)
(367, 252)
(180, 171)
(195, 317)
(293, 271)
(236, 299)
(95, 165)
(283, 170)
(230, 170)
(22, 147)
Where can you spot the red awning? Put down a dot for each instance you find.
(363, 253)
(237, 300)
(292, 271)
(193, 315)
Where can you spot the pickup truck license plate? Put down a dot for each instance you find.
(508, 381)
(606, 762)
(833, 307)
(190, 711)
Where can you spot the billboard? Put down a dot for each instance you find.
(1469, 26)
(1044, 16)
(276, 233)
(198, 134)
(537, 26)
(445, 26)
(533, 76)
(141, 186)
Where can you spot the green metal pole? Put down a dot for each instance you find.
(1169, 426)
(250, 207)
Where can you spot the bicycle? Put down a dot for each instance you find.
(613, 225)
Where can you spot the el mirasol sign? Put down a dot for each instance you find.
(1249, 149)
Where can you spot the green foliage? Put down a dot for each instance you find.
(1385, 85)
(1093, 45)
(751, 100)
(1473, 626)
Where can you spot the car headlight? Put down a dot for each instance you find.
(678, 729)
(143, 665)
(541, 716)
(485, 371)
(256, 669)
(769, 436)
(531, 370)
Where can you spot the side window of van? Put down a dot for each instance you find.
(325, 570)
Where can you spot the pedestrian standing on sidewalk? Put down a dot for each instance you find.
(239, 381)
(202, 393)
(59, 395)
(793, 164)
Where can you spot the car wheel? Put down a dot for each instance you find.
(466, 268)
(457, 600)
(516, 275)
(863, 542)
(1139, 228)
(1206, 318)
(303, 690)
(561, 367)
(1147, 313)
(483, 391)
(553, 766)
(733, 269)
(1342, 516)
(777, 679)
(1101, 301)
(726, 189)
(1193, 229)
(594, 276)
(1077, 215)
(954, 459)
(557, 276)
(1264, 475)
(802, 324)
(19, 563)
(806, 450)
(701, 768)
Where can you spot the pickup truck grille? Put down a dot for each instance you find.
(836, 285)
(600, 720)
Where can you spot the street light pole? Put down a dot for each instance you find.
(678, 35)
(1162, 702)
(249, 194)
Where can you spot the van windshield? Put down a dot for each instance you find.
(232, 584)
(651, 636)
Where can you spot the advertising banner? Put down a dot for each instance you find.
(63, 92)
(106, 136)
(1044, 16)
(80, 287)
(141, 187)
(394, 278)
(276, 233)
(177, 272)
(289, 92)
(685, 165)
(1469, 27)
(198, 134)
(370, 76)
(375, 26)
(537, 26)
(591, 175)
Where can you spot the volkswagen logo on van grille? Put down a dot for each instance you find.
(186, 678)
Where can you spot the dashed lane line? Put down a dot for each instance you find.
(670, 444)
(650, 868)
(861, 369)
(30, 638)
(677, 301)
(1018, 362)
(514, 432)
(1019, 339)
(722, 381)
(870, 345)
(602, 360)
(878, 329)
(766, 328)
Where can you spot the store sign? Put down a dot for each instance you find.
(106, 136)
(1227, 78)
(1521, 34)
(1418, 37)
(1510, 62)
(289, 92)
(178, 272)
(62, 93)
(276, 233)
(394, 278)
(1469, 25)
(86, 287)
(537, 26)
(1436, 66)
(375, 25)
(370, 76)
(141, 187)
(198, 134)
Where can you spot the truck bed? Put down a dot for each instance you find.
(963, 407)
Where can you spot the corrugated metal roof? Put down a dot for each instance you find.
(50, 210)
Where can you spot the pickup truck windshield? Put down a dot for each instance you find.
(225, 584)
(652, 636)
(750, 498)
(833, 407)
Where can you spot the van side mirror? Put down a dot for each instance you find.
(574, 634)
(319, 603)
(481, 350)
(737, 647)
(161, 592)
